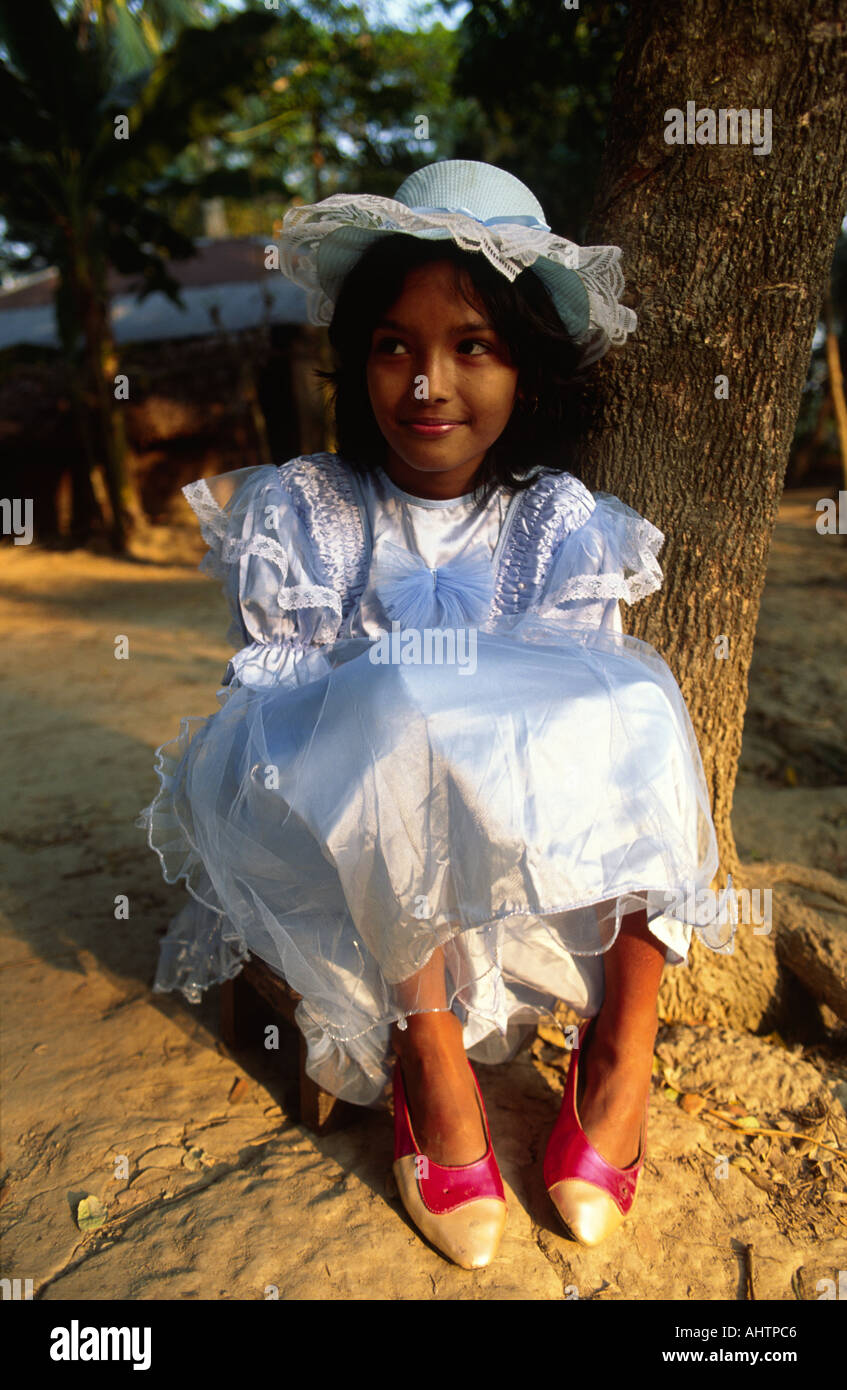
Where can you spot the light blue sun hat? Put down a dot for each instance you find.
(479, 207)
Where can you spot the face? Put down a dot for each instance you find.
(435, 357)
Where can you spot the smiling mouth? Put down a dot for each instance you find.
(433, 427)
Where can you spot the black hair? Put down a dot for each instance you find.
(540, 428)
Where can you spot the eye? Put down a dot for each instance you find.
(385, 343)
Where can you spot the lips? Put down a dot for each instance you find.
(433, 429)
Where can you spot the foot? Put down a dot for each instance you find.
(440, 1090)
(613, 1087)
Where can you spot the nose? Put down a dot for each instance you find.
(437, 367)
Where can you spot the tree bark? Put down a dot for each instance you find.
(86, 335)
(726, 255)
(85, 509)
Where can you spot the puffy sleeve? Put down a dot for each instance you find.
(611, 556)
(259, 548)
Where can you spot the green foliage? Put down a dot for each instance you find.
(70, 185)
(541, 77)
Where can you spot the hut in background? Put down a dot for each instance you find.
(225, 383)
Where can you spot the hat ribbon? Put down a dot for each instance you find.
(520, 219)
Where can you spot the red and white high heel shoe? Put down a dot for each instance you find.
(592, 1197)
(461, 1210)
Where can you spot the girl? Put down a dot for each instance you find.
(443, 789)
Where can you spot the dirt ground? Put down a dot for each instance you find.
(215, 1192)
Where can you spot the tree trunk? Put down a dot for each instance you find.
(82, 312)
(85, 509)
(102, 366)
(726, 256)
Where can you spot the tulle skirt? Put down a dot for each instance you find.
(413, 825)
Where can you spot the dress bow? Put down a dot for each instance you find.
(418, 595)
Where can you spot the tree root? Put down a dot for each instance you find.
(808, 942)
(799, 875)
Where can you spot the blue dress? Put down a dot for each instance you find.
(435, 734)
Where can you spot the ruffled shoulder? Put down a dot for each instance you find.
(611, 555)
(261, 550)
(556, 504)
(222, 504)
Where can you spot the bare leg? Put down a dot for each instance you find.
(617, 1064)
(439, 1086)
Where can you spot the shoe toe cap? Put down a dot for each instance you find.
(469, 1236)
(589, 1213)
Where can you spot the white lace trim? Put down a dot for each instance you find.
(607, 586)
(228, 550)
(308, 596)
(633, 553)
(511, 248)
(208, 512)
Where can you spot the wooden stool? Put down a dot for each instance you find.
(241, 1002)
